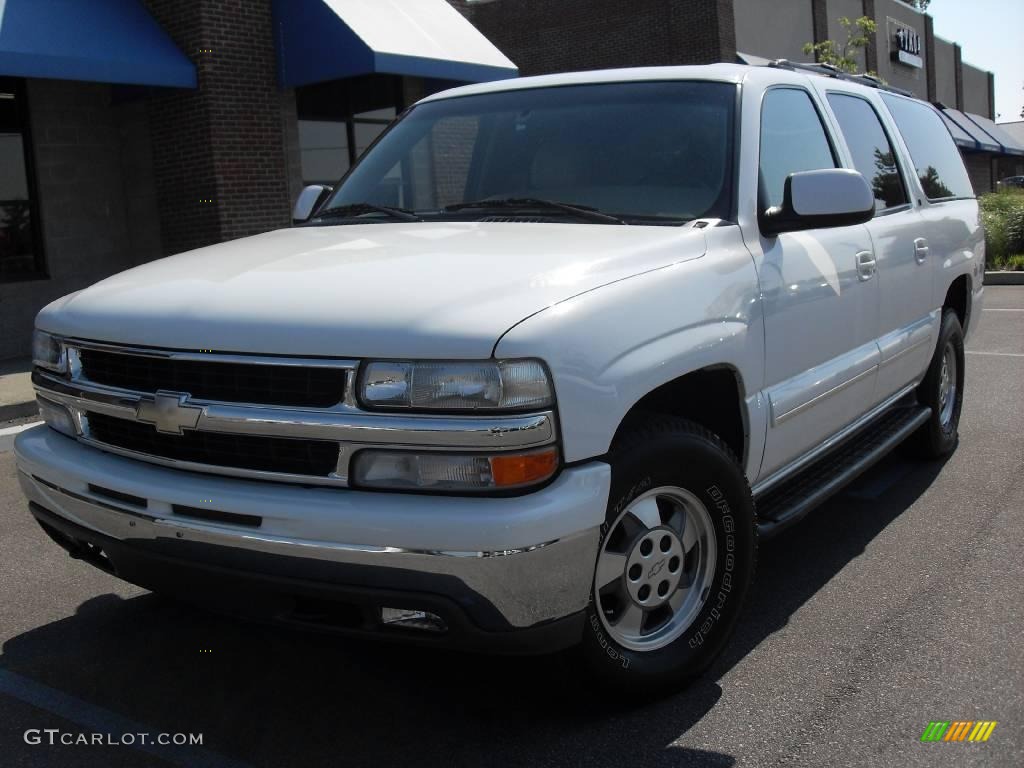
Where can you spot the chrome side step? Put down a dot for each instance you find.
(791, 500)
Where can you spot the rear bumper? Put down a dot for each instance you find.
(508, 574)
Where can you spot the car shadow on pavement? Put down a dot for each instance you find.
(801, 560)
(274, 697)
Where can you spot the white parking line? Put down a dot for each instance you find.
(1001, 309)
(996, 354)
(19, 428)
(7, 435)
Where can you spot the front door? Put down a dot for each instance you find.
(820, 294)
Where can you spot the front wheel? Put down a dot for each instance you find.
(677, 555)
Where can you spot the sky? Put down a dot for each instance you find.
(991, 34)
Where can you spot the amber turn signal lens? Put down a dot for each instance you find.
(524, 468)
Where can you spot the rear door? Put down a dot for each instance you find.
(948, 207)
(902, 253)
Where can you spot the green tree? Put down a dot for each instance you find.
(886, 181)
(932, 184)
(844, 57)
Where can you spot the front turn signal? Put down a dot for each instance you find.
(460, 473)
(516, 470)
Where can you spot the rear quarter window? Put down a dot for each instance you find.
(936, 159)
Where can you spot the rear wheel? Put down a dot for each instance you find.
(677, 555)
(943, 391)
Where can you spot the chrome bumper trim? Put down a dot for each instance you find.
(527, 585)
(343, 425)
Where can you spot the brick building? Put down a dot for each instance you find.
(905, 52)
(135, 129)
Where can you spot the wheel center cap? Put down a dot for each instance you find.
(654, 567)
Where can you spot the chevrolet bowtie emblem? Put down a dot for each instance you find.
(168, 413)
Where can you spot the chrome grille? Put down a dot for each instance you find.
(313, 458)
(228, 382)
(120, 402)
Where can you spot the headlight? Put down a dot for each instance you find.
(457, 385)
(48, 352)
(403, 470)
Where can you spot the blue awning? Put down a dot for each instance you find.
(962, 138)
(984, 142)
(1009, 144)
(107, 41)
(320, 40)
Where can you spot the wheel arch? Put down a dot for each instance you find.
(712, 396)
(958, 298)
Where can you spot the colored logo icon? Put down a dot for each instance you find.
(959, 730)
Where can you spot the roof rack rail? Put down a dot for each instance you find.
(827, 70)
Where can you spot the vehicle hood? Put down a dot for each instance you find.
(384, 290)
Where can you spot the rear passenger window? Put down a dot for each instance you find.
(873, 154)
(936, 158)
(792, 139)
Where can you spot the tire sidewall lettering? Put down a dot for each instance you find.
(719, 502)
(608, 646)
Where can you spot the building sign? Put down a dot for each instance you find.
(907, 46)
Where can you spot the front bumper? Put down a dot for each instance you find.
(501, 572)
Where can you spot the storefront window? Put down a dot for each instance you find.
(20, 246)
(369, 125)
(339, 120)
(325, 151)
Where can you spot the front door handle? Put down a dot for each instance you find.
(920, 250)
(865, 265)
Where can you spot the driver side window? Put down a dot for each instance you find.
(792, 139)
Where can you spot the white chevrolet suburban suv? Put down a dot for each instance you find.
(536, 374)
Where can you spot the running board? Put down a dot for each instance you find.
(790, 501)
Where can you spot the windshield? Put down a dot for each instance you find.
(645, 152)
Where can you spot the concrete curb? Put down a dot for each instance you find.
(18, 410)
(1004, 278)
(17, 396)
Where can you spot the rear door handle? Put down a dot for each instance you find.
(920, 250)
(865, 265)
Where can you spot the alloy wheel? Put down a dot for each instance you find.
(655, 568)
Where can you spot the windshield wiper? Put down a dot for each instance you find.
(356, 209)
(582, 211)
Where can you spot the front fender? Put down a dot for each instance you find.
(608, 348)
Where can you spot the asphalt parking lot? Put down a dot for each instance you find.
(898, 603)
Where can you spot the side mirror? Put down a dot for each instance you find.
(309, 200)
(834, 197)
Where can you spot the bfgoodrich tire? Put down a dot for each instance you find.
(677, 555)
(943, 391)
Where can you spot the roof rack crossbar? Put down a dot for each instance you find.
(828, 70)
